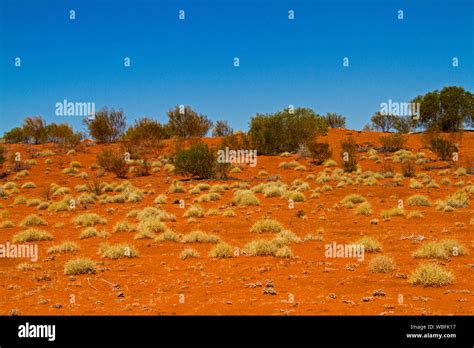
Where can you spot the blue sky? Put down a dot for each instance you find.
(190, 62)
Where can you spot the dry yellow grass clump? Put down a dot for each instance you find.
(381, 264)
(429, 274)
(266, 225)
(80, 266)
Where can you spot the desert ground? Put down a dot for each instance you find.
(297, 280)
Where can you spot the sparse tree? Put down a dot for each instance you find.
(335, 120)
(447, 110)
(186, 123)
(145, 136)
(34, 129)
(107, 125)
(285, 130)
(222, 129)
(383, 122)
(404, 124)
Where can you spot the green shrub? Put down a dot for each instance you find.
(285, 130)
(107, 125)
(113, 162)
(186, 123)
(348, 155)
(392, 142)
(320, 152)
(199, 161)
(443, 148)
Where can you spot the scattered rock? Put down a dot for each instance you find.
(401, 276)
(14, 312)
(332, 295)
(269, 291)
(367, 298)
(268, 283)
(57, 306)
(379, 293)
(120, 294)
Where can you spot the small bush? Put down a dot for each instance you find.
(117, 251)
(199, 161)
(89, 233)
(429, 274)
(440, 250)
(266, 225)
(200, 237)
(65, 247)
(123, 226)
(161, 199)
(88, 220)
(392, 142)
(363, 209)
(415, 184)
(32, 220)
(28, 185)
(320, 152)
(113, 162)
(335, 121)
(79, 266)
(107, 125)
(188, 253)
(348, 155)
(459, 199)
(221, 250)
(443, 148)
(245, 197)
(381, 264)
(370, 245)
(167, 235)
(415, 214)
(392, 212)
(194, 211)
(418, 201)
(353, 198)
(31, 235)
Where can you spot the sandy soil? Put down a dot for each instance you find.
(158, 282)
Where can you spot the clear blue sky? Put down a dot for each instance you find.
(190, 62)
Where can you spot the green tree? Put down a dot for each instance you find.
(186, 123)
(145, 136)
(199, 161)
(446, 110)
(383, 122)
(107, 126)
(222, 129)
(34, 129)
(335, 120)
(285, 130)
